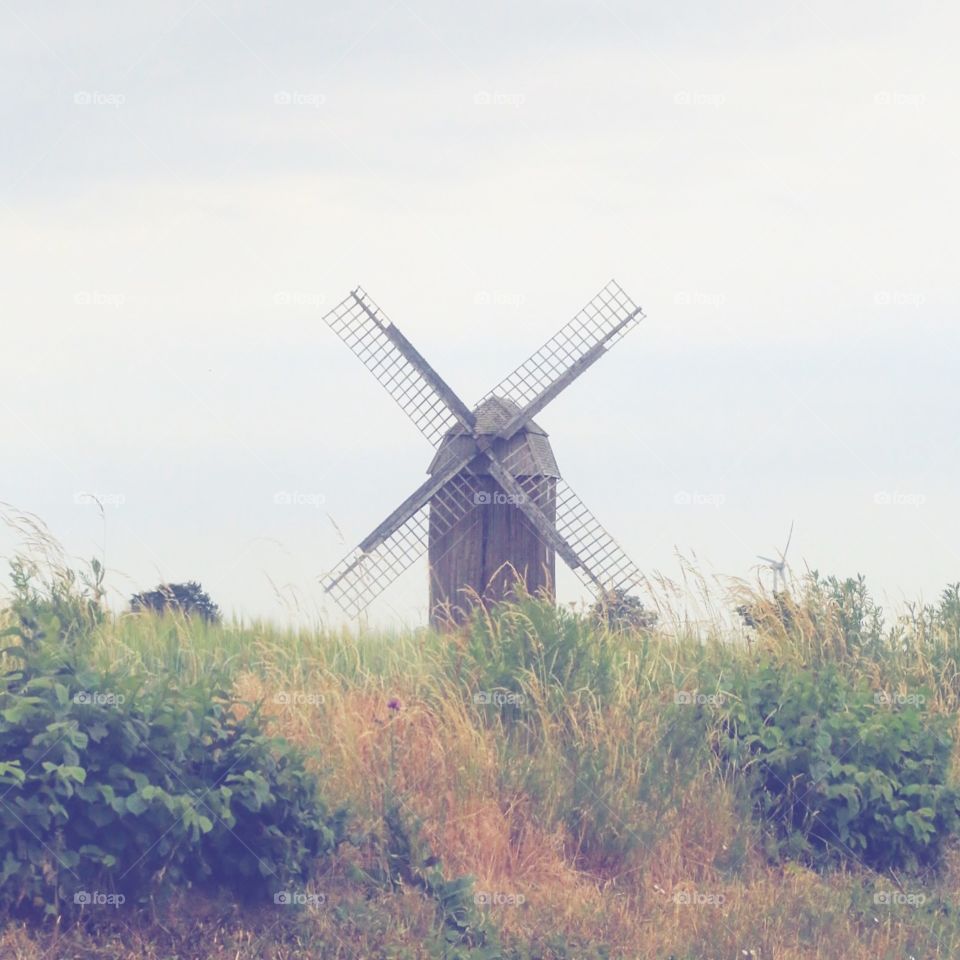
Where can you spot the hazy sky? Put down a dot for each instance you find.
(187, 187)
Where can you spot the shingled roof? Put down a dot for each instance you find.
(529, 449)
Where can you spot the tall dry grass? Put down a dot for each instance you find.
(589, 796)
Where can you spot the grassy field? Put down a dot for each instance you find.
(571, 770)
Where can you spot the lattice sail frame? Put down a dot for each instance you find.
(363, 327)
(602, 560)
(606, 319)
(361, 577)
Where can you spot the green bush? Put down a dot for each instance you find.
(838, 772)
(66, 607)
(618, 610)
(849, 604)
(115, 788)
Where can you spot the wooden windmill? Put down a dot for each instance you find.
(494, 507)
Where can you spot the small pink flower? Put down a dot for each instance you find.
(393, 704)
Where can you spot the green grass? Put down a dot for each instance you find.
(582, 785)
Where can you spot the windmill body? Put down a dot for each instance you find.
(493, 507)
(485, 552)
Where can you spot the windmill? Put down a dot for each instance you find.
(779, 567)
(494, 507)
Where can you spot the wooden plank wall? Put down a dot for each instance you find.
(484, 553)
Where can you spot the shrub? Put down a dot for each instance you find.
(187, 598)
(117, 787)
(618, 610)
(837, 772)
(850, 605)
(66, 606)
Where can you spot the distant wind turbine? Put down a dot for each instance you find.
(779, 567)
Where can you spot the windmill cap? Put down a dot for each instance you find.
(528, 449)
(494, 413)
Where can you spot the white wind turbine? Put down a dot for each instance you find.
(779, 567)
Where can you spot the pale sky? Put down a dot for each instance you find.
(187, 187)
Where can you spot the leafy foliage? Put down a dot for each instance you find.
(126, 788)
(187, 598)
(66, 606)
(859, 618)
(619, 610)
(837, 772)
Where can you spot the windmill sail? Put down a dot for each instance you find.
(365, 573)
(600, 561)
(527, 500)
(428, 490)
(606, 319)
(603, 559)
(416, 387)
